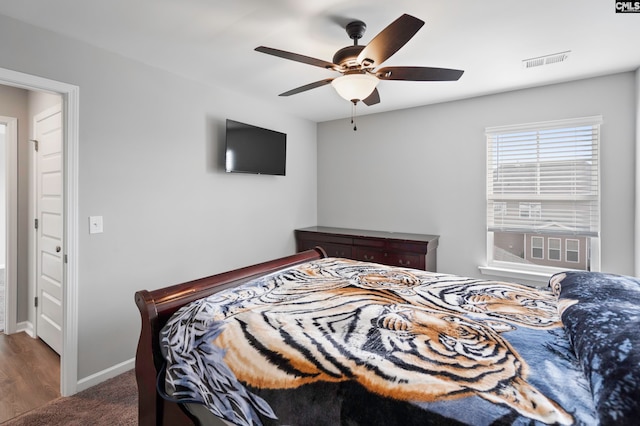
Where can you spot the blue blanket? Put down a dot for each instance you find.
(604, 330)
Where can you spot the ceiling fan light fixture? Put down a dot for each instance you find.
(355, 87)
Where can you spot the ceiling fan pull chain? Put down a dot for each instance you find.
(353, 115)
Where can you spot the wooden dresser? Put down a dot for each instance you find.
(390, 248)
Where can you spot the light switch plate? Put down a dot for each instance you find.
(95, 224)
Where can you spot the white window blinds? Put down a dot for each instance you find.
(543, 178)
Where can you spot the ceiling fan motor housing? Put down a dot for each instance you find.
(347, 57)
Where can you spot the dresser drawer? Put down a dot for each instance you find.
(406, 260)
(336, 250)
(369, 255)
(406, 246)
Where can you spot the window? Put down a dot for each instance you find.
(554, 249)
(542, 189)
(537, 248)
(573, 250)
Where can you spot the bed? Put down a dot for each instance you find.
(311, 340)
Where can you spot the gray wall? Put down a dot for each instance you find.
(422, 170)
(149, 160)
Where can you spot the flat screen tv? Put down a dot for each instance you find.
(251, 149)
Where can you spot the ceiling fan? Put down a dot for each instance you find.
(357, 63)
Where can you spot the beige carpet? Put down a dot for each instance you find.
(113, 402)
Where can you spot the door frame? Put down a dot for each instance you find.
(11, 222)
(70, 110)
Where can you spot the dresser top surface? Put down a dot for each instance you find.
(371, 234)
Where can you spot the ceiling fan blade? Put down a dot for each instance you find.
(298, 58)
(418, 74)
(373, 98)
(390, 40)
(307, 87)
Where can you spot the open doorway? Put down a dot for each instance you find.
(68, 95)
(20, 204)
(20, 176)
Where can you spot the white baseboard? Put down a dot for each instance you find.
(107, 374)
(25, 326)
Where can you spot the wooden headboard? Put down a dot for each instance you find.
(157, 306)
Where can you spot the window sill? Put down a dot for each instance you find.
(518, 274)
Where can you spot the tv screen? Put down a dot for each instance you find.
(251, 149)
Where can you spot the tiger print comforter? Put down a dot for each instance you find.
(336, 341)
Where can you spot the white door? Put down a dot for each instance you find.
(49, 232)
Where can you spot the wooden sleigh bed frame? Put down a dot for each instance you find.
(157, 306)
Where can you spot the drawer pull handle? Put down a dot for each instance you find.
(407, 264)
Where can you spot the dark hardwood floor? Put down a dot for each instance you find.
(29, 374)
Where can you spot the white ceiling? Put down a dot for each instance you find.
(212, 41)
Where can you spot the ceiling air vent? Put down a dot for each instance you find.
(546, 60)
